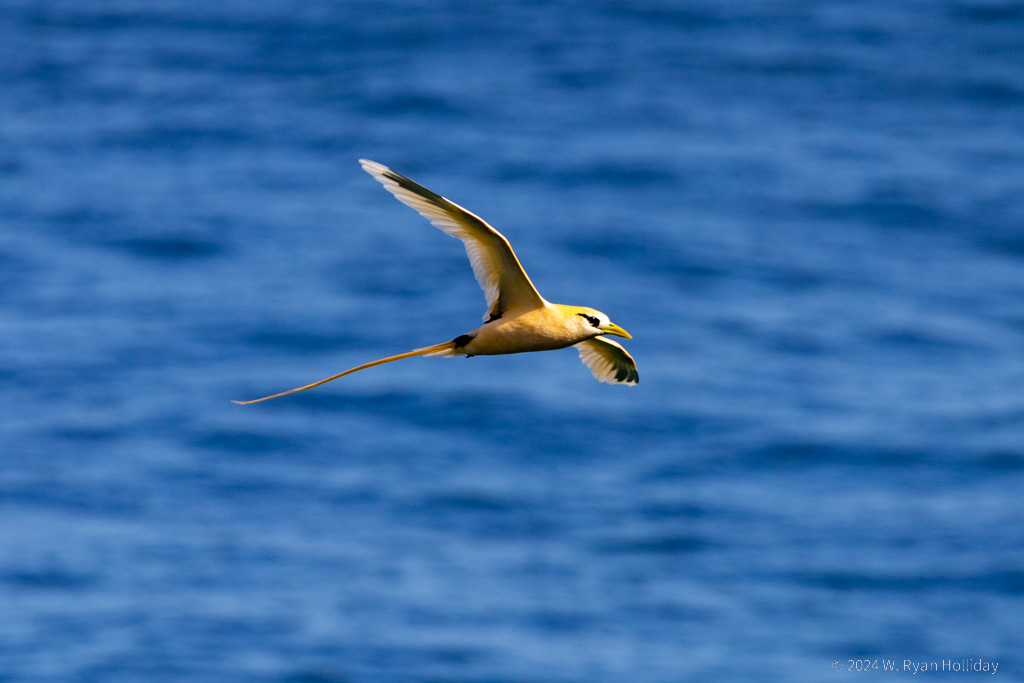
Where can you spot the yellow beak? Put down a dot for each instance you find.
(612, 328)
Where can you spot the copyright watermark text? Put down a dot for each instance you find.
(914, 667)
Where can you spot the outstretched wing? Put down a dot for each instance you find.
(608, 361)
(506, 285)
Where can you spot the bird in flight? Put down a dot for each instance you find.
(518, 318)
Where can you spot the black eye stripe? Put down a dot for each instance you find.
(590, 319)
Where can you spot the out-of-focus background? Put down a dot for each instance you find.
(810, 215)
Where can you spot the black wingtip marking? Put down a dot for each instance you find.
(413, 186)
(625, 374)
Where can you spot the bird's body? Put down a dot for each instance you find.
(550, 327)
(519, 319)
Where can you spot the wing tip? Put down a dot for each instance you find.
(373, 168)
(620, 368)
(629, 378)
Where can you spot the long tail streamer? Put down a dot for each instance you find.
(438, 349)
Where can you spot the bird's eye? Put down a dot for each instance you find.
(590, 319)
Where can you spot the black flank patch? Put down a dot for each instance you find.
(463, 339)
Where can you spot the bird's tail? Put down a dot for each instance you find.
(445, 349)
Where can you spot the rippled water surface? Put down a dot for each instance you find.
(809, 216)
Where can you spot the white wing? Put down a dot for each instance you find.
(608, 361)
(506, 285)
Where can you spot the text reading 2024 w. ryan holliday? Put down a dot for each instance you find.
(914, 667)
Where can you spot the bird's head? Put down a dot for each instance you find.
(593, 320)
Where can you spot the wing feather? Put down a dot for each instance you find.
(506, 285)
(608, 361)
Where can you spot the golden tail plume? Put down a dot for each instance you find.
(436, 350)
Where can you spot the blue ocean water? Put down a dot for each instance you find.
(810, 216)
